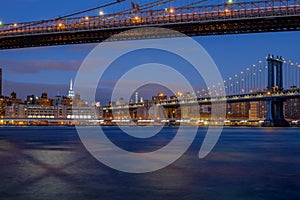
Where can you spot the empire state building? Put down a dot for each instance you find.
(71, 92)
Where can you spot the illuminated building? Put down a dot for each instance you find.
(136, 97)
(36, 111)
(3, 104)
(13, 99)
(71, 92)
(159, 97)
(77, 102)
(44, 101)
(57, 100)
(15, 110)
(32, 100)
(0, 81)
(90, 112)
(190, 111)
(292, 109)
(238, 110)
(257, 110)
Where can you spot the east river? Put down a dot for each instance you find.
(247, 163)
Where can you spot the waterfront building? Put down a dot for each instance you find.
(90, 112)
(292, 109)
(238, 110)
(0, 81)
(190, 111)
(15, 110)
(258, 110)
(2, 107)
(37, 111)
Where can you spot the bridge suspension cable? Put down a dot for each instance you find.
(66, 16)
(291, 74)
(254, 79)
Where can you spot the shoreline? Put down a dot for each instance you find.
(23, 122)
(149, 125)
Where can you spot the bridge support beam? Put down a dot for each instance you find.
(275, 115)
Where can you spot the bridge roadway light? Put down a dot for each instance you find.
(1, 23)
(101, 13)
(170, 10)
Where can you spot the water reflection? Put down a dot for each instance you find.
(51, 163)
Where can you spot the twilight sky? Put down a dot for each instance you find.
(35, 70)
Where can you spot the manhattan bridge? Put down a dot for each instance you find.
(273, 79)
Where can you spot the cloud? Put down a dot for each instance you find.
(30, 67)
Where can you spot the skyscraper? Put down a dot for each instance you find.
(136, 97)
(71, 92)
(0, 81)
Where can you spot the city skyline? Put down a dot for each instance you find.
(33, 70)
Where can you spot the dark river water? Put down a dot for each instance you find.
(247, 163)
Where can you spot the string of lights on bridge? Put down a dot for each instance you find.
(135, 7)
(138, 11)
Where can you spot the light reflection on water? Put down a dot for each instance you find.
(247, 163)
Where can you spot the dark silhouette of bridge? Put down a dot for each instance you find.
(193, 19)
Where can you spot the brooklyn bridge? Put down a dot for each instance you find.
(193, 18)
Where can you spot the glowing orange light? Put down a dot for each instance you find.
(86, 18)
(15, 25)
(172, 10)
